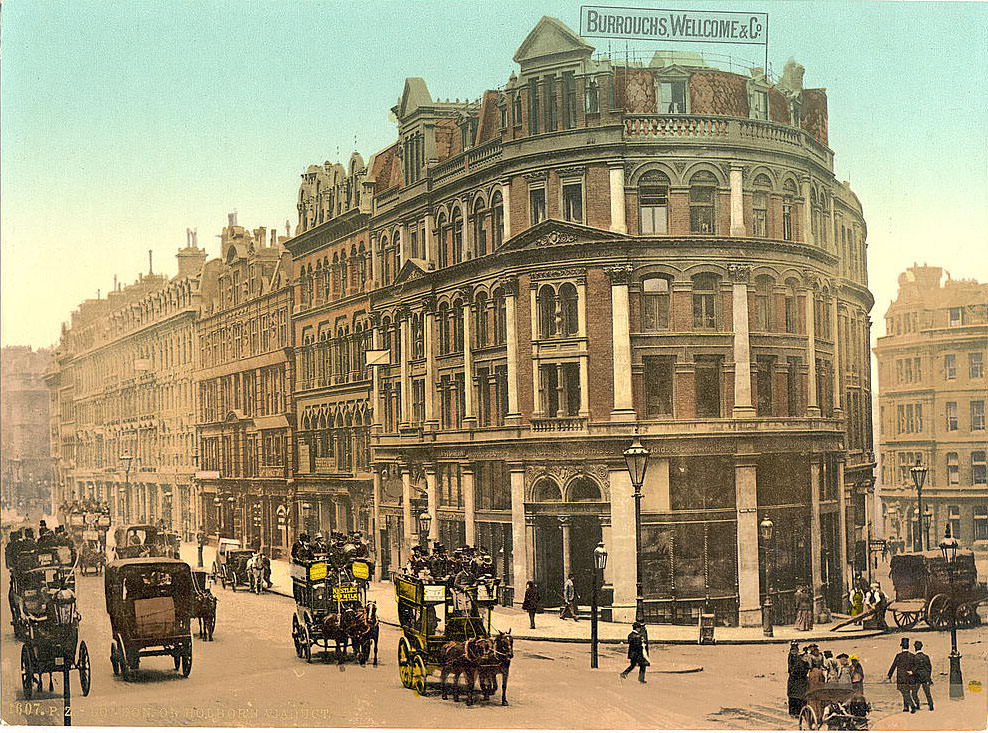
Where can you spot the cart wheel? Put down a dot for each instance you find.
(419, 674)
(113, 658)
(306, 641)
(905, 620)
(187, 663)
(85, 668)
(27, 672)
(404, 665)
(938, 611)
(122, 660)
(296, 636)
(967, 616)
(233, 582)
(807, 719)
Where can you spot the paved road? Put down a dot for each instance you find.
(250, 676)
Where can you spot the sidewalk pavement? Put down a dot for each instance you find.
(552, 628)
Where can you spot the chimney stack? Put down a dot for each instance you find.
(232, 219)
(150, 264)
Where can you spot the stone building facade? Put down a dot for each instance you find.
(243, 393)
(25, 453)
(599, 251)
(932, 396)
(122, 386)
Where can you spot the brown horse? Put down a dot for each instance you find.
(464, 657)
(335, 627)
(204, 608)
(364, 631)
(499, 663)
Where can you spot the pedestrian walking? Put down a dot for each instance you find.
(856, 600)
(796, 684)
(830, 665)
(804, 609)
(637, 651)
(857, 674)
(876, 600)
(904, 666)
(531, 602)
(923, 674)
(200, 543)
(569, 599)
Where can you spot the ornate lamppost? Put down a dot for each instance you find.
(766, 531)
(636, 456)
(424, 522)
(948, 547)
(599, 564)
(918, 473)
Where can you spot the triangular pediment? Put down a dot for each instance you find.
(412, 269)
(553, 233)
(551, 37)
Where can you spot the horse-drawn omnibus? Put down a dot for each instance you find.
(448, 629)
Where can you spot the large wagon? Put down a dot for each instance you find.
(150, 605)
(433, 613)
(923, 591)
(835, 708)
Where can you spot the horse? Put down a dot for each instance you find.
(463, 657)
(502, 654)
(364, 631)
(255, 574)
(205, 610)
(336, 626)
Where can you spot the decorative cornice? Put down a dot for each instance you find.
(536, 177)
(571, 171)
(560, 274)
(739, 273)
(553, 238)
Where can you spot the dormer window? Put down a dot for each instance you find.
(504, 116)
(672, 97)
(759, 105)
(797, 113)
(516, 109)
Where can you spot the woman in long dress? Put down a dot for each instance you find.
(804, 609)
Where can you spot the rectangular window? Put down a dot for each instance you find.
(536, 205)
(573, 202)
(655, 304)
(764, 384)
(978, 473)
(418, 400)
(951, 416)
(759, 105)
(918, 369)
(569, 100)
(954, 316)
(978, 415)
(571, 388)
(975, 365)
(672, 97)
(703, 310)
(790, 314)
(653, 207)
(950, 366)
(980, 522)
(549, 388)
(759, 214)
(708, 387)
(533, 106)
(702, 209)
(551, 118)
(658, 386)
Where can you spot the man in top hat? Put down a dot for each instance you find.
(637, 651)
(904, 667)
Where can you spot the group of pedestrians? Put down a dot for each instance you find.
(810, 669)
(912, 670)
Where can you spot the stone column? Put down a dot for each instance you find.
(518, 534)
(376, 385)
(621, 342)
(506, 198)
(584, 385)
(403, 252)
(807, 210)
(404, 416)
(838, 369)
(376, 520)
(737, 201)
(815, 544)
(742, 348)
(618, 215)
(845, 570)
(465, 232)
(408, 540)
(749, 599)
(812, 406)
(469, 413)
(433, 501)
(510, 288)
(430, 240)
(564, 525)
(469, 504)
(621, 549)
(429, 324)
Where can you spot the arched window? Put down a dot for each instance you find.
(386, 276)
(445, 336)
(759, 206)
(584, 488)
(480, 321)
(814, 216)
(788, 214)
(456, 223)
(442, 232)
(497, 220)
(457, 327)
(704, 298)
(547, 311)
(653, 203)
(500, 317)
(764, 305)
(655, 303)
(791, 315)
(480, 217)
(418, 335)
(547, 490)
(569, 305)
(703, 189)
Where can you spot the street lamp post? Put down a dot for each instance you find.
(766, 529)
(919, 478)
(636, 456)
(126, 460)
(425, 521)
(599, 563)
(949, 549)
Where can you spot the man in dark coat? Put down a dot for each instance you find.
(904, 667)
(923, 674)
(637, 651)
(797, 683)
(531, 602)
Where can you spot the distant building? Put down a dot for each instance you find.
(25, 471)
(932, 397)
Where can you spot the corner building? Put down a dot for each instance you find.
(601, 250)
(932, 395)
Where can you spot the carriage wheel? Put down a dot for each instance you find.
(27, 672)
(85, 668)
(306, 640)
(113, 658)
(937, 611)
(122, 660)
(404, 665)
(187, 663)
(295, 636)
(419, 674)
(808, 719)
(905, 620)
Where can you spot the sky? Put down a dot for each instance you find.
(122, 123)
